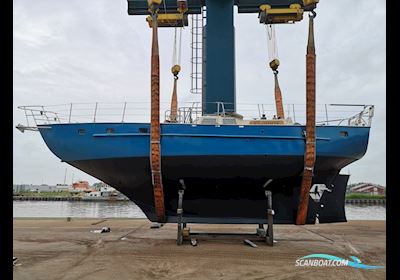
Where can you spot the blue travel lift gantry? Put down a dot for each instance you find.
(219, 44)
(218, 79)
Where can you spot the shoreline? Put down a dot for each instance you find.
(145, 219)
(381, 202)
(365, 201)
(76, 218)
(61, 198)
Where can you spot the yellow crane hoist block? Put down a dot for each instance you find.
(274, 64)
(310, 2)
(268, 15)
(153, 5)
(182, 6)
(154, 2)
(176, 69)
(169, 20)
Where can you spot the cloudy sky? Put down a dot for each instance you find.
(92, 51)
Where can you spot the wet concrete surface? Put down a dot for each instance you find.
(61, 249)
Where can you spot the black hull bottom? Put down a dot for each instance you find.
(233, 193)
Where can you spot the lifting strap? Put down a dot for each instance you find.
(274, 63)
(155, 148)
(310, 154)
(174, 103)
(278, 98)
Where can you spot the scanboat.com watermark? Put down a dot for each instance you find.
(330, 260)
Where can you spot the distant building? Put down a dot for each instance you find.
(63, 187)
(372, 189)
(21, 188)
(81, 186)
(46, 188)
(101, 185)
(40, 188)
(104, 188)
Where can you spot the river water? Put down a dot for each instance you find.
(127, 209)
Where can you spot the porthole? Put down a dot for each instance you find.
(110, 130)
(81, 131)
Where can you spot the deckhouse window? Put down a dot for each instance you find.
(229, 121)
(209, 121)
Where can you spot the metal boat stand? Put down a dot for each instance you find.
(183, 232)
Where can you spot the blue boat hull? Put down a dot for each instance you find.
(224, 168)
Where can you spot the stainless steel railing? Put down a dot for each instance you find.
(326, 114)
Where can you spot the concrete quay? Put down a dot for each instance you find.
(62, 249)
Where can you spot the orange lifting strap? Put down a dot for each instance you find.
(310, 127)
(278, 94)
(174, 102)
(278, 98)
(155, 148)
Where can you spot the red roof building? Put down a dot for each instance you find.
(82, 186)
(372, 189)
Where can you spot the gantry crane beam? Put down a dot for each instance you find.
(218, 79)
(140, 7)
